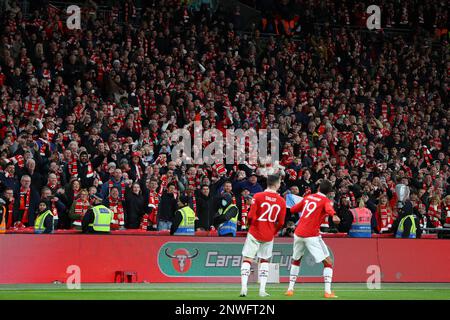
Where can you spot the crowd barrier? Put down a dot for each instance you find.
(32, 258)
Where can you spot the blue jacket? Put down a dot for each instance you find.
(104, 193)
(253, 188)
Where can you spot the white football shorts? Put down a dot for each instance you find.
(315, 245)
(253, 248)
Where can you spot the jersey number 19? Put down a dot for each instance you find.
(310, 207)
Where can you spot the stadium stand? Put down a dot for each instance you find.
(94, 108)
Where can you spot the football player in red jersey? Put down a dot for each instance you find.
(266, 218)
(313, 208)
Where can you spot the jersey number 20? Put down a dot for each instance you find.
(271, 213)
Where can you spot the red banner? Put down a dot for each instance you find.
(46, 258)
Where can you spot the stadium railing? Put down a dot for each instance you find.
(239, 234)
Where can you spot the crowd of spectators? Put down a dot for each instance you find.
(291, 17)
(86, 115)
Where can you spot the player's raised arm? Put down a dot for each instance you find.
(298, 207)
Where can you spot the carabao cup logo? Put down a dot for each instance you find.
(181, 259)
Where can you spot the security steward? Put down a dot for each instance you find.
(361, 227)
(407, 224)
(97, 219)
(227, 216)
(183, 223)
(44, 219)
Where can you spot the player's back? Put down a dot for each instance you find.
(313, 209)
(266, 214)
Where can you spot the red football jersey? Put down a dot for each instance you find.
(266, 216)
(313, 208)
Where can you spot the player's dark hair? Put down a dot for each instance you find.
(273, 180)
(325, 187)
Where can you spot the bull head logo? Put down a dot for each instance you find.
(181, 259)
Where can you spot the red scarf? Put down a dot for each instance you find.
(43, 148)
(194, 205)
(10, 214)
(139, 172)
(153, 202)
(90, 171)
(384, 218)
(54, 209)
(73, 167)
(137, 126)
(32, 107)
(118, 217)
(24, 204)
(75, 194)
(144, 222)
(19, 160)
(56, 186)
(384, 110)
(122, 189)
(244, 212)
(427, 155)
(434, 213)
(80, 209)
(351, 195)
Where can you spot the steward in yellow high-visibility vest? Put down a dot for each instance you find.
(183, 223)
(97, 220)
(44, 219)
(404, 232)
(227, 216)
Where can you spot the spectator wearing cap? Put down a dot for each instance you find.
(109, 172)
(183, 221)
(227, 216)
(251, 184)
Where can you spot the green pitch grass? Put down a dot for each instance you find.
(146, 291)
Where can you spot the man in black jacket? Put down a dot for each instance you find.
(205, 208)
(166, 208)
(86, 168)
(343, 212)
